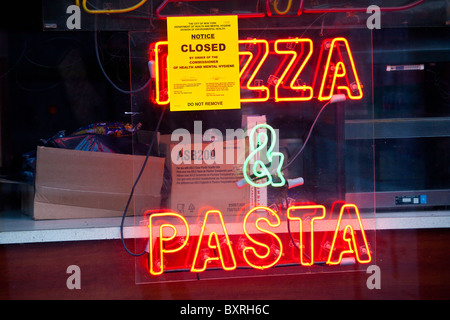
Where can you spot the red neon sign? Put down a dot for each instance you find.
(260, 243)
(349, 235)
(159, 55)
(286, 47)
(334, 73)
(271, 9)
(251, 62)
(156, 256)
(297, 212)
(259, 261)
(223, 248)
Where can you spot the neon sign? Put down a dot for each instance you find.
(254, 60)
(257, 243)
(339, 71)
(294, 75)
(259, 169)
(272, 8)
(294, 85)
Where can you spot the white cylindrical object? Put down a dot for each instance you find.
(151, 69)
(241, 183)
(292, 183)
(347, 261)
(337, 98)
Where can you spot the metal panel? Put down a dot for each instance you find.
(397, 128)
(398, 199)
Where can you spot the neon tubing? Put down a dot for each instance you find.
(158, 75)
(213, 236)
(251, 62)
(278, 11)
(292, 85)
(249, 86)
(261, 142)
(267, 248)
(359, 9)
(322, 212)
(109, 11)
(351, 241)
(163, 239)
(339, 72)
(301, 8)
(165, 2)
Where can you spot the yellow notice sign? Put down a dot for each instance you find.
(203, 63)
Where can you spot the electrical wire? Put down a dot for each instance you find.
(288, 222)
(149, 148)
(106, 75)
(109, 11)
(135, 184)
(307, 138)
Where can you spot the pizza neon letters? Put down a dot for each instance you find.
(333, 72)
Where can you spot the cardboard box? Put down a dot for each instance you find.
(196, 187)
(84, 184)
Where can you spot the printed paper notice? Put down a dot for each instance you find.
(203, 63)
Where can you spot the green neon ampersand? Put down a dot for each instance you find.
(259, 169)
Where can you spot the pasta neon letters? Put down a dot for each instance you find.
(349, 236)
(275, 250)
(222, 247)
(156, 256)
(262, 242)
(318, 214)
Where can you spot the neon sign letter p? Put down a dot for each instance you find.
(161, 243)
